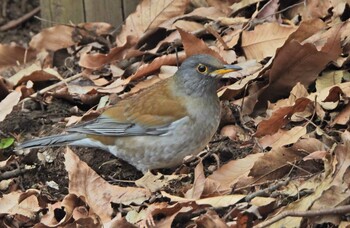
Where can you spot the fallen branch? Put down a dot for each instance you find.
(18, 21)
(330, 211)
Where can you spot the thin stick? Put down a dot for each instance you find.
(265, 191)
(341, 210)
(14, 23)
(51, 87)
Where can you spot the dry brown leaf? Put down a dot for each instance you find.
(115, 87)
(198, 184)
(224, 6)
(306, 29)
(149, 15)
(201, 14)
(283, 137)
(242, 4)
(297, 92)
(329, 79)
(274, 164)
(264, 40)
(34, 73)
(188, 26)
(7, 104)
(63, 36)
(227, 92)
(313, 9)
(195, 46)
(96, 61)
(231, 38)
(83, 181)
(320, 154)
(268, 12)
(304, 67)
(69, 203)
(215, 201)
(118, 221)
(334, 94)
(12, 205)
(307, 62)
(343, 117)
(155, 182)
(329, 97)
(12, 55)
(211, 219)
(155, 65)
(331, 190)
(230, 173)
(167, 222)
(280, 117)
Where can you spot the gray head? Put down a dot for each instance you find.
(199, 74)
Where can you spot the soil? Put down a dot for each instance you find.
(36, 119)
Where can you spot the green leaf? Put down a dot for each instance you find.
(6, 142)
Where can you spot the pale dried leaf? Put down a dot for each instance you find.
(264, 40)
(230, 173)
(329, 79)
(283, 137)
(7, 104)
(83, 181)
(150, 14)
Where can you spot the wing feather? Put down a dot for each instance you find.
(151, 112)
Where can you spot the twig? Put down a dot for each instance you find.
(14, 173)
(210, 29)
(265, 191)
(265, 175)
(312, 213)
(297, 167)
(14, 23)
(51, 87)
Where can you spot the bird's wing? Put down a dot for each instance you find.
(152, 112)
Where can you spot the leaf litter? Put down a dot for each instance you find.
(280, 157)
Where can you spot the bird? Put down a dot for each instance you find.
(159, 126)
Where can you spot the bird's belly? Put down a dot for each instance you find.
(152, 152)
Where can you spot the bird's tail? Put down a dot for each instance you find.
(50, 141)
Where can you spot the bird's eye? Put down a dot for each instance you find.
(201, 68)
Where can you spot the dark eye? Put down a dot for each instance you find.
(201, 68)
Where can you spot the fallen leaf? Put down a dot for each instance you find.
(274, 164)
(195, 46)
(63, 36)
(13, 55)
(96, 61)
(280, 117)
(264, 40)
(283, 138)
(198, 184)
(149, 15)
(343, 117)
(227, 175)
(83, 181)
(7, 104)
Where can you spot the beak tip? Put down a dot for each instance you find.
(233, 67)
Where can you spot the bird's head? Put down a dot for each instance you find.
(199, 74)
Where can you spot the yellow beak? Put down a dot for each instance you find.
(225, 70)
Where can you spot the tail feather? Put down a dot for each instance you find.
(51, 141)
